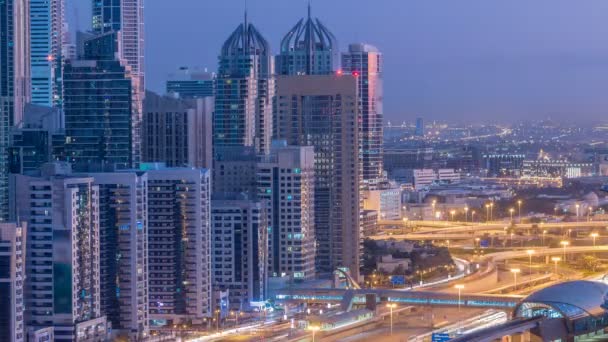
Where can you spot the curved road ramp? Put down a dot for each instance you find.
(568, 311)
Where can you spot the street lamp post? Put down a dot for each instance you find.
(491, 211)
(452, 213)
(473, 216)
(466, 214)
(515, 271)
(555, 260)
(578, 206)
(459, 287)
(391, 307)
(487, 213)
(511, 212)
(564, 244)
(589, 214)
(530, 252)
(314, 330)
(519, 202)
(594, 236)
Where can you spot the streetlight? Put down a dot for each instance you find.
(466, 214)
(519, 202)
(530, 252)
(511, 212)
(491, 211)
(589, 213)
(594, 236)
(578, 206)
(452, 213)
(556, 260)
(391, 307)
(515, 271)
(314, 330)
(459, 287)
(473, 216)
(564, 244)
(487, 213)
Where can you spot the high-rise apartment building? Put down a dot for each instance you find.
(309, 48)
(12, 279)
(47, 20)
(419, 130)
(98, 120)
(234, 170)
(322, 111)
(123, 236)
(244, 91)
(178, 132)
(286, 183)
(179, 243)
(38, 140)
(239, 248)
(191, 83)
(365, 63)
(14, 81)
(62, 262)
(127, 16)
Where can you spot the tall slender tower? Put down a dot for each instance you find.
(127, 16)
(244, 91)
(365, 62)
(14, 78)
(47, 39)
(309, 48)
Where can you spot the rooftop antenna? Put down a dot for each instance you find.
(309, 8)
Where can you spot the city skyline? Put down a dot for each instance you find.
(466, 62)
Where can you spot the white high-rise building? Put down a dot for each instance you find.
(239, 244)
(123, 221)
(62, 263)
(179, 243)
(12, 278)
(285, 181)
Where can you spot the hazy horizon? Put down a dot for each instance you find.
(446, 60)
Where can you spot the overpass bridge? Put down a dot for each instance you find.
(348, 297)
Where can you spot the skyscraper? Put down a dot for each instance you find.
(123, 236)
(63, 276)
(127, 16)
(419, 132)
(177, 131)
(14, 81)
(286, 182)
(244, 91)
(309, 48)
(239, 247)
(322, 111)
(365, 62)
(12, 279)
(98, 106)
(47, 40)
(179, 244)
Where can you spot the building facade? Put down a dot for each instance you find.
(285, 181)
(179, 244)
(322, 111)
(47, 18)
(62, 262)
(14, 81)
(244, 91)
(309, 48)
(127, 16)
(366, 63)
(239, 249)
(12, 282)
(178, 132)
(97, 106)
(191, 84)
(123, 236)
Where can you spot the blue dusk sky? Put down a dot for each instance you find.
(490, 60)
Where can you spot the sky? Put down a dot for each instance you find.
(456, 60)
